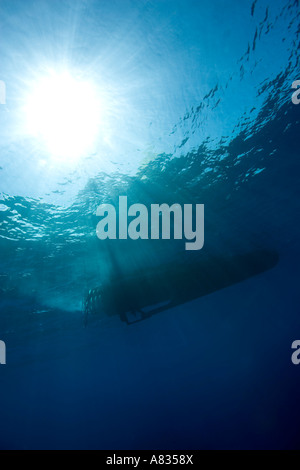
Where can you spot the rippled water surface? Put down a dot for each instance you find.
(196, 108)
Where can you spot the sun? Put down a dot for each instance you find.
(63, 112)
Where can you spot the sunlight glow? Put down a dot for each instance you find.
(64, 113)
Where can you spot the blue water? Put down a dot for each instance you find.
(199, 111)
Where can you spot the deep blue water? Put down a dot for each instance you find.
(198, 101)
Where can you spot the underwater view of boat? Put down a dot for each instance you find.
(149, 238)
(138, 297)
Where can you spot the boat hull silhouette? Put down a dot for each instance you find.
(138, 297)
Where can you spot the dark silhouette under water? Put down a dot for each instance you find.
(138, 297)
